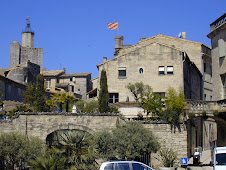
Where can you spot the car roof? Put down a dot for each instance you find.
(111, 161)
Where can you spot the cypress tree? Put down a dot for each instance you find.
(29, 94)
(103, 94)
(40, 94)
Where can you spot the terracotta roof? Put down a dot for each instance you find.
(52, 72)
(74, 74)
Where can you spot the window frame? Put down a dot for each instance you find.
(121, 72)
(160, 71)
(169, 71)
(114, 98)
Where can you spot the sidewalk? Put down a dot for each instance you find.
(204, 160)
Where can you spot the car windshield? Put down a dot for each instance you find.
(221, 159)
(122, 166)
(109, 166)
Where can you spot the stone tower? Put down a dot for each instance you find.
(218, 52)
(22, 53)
(28, 36)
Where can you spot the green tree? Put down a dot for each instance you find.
(29, 94)
(146, 98)
(129, 141)
(175, 102)
(103, 93)
(91, 107)
(150, 102)
(137, 89)
(40, 101)
(59, 100)
(105, 145)
(80, 104)
(15, 149)
(21, 108)
(78, 149)
(35, 95)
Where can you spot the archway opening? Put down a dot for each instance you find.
(60, 137)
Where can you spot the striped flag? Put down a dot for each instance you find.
(113, 26)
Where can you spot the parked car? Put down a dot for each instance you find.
(124, 165)
(219, 158)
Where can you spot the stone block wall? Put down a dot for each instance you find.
(168, 139)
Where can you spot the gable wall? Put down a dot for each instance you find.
(149, 58)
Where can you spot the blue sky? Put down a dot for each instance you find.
(74, 34)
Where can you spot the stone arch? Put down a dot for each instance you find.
(69, 127)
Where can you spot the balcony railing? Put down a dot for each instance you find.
(198, 106)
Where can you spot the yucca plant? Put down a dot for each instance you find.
(168, 157)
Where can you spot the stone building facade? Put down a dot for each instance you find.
(156, 63)
(11, 90)
(77, 84)
(218, 42)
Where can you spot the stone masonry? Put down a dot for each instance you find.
(43, 124)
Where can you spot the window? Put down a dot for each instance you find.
(72, 79)
(19, 92)
(48, 83)
(221, 159)
(109, 166)
(204, 67)
(113, 97)
(161, 70)
(25, 79)
(205, 97)
(221, 60)
(162, 94)
(122, 72)
(139, 166)
(221, 48)
(169, 70)
(72, 89)
(122, 166)
(141, 70)
(9, 92)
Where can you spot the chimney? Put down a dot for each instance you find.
(184, 35)
(118, 43)
(104, 59)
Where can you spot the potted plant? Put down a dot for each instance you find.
(168, 157)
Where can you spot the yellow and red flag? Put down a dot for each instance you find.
(113, 26)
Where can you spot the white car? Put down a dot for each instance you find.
(220, 158)
(124, 165)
